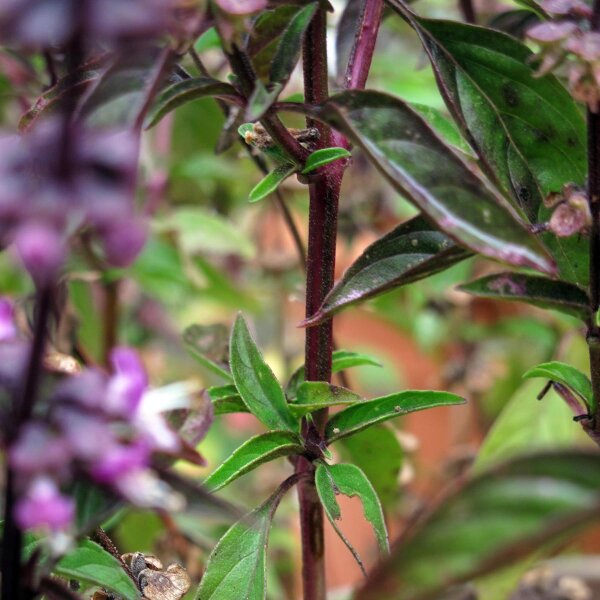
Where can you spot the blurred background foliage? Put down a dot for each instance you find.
(211, 254)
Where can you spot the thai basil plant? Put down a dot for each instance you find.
(512, 176)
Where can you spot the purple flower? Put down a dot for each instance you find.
(44, 507)
(41, 250)
(86, 389)
(123, 241)
(8, 331)
(128, 384)
(118, 460)
(87, 435)
(38, 449)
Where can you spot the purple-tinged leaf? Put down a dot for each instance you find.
(345, 34)
(539, 291)
(182, 92)
(412, 251)
(419, 165)
(489, 522)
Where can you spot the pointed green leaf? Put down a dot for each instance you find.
(487, 79)
(253, 453)
(419, 165)
(378, 453)
(225, 399)
(539, 291)
(412, 251)
(315, 395)
(350, 481)
(566, 374)
(491, 521)
(182, 92)
(255, 381)
(290, 44)
(363, 415)
(340, 360)
(237, 566)
(323, 157)
(271, 182)
(91, 564)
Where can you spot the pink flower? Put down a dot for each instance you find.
(119, 460)
(44, 507)
(8, 331)
(126, 387)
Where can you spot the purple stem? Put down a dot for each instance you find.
(322, 237)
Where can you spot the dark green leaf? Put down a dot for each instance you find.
(253, 453)
(323, 157)
(255, 381)
(315, 395)
(91, 564)
(540, 291)
(186, 91)
(346, 32)
(378, 453)
(237, 566)
(271, 182)
(416, 161)
(350, 481)
(94, 505)
(208, 344)
(119, 94)
(566, 374)
(290, 44)
(341, 360)
(363, 415)
(68, 88)
(263, 40)
(261, 100)
(412, 251)
(495, 519)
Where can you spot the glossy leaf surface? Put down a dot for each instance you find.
(182, 92)
(412, 251)
(566, 374)
(256, 451)
(493, 520)
(540, 291)
(314, 395)
(419, 165)
(225, 399)
(255, 381)
(270, 182)
(91, 564)
(360, 416)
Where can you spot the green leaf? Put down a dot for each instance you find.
(378, 453)
(186, 91)
(226, 399)
(323, 157)
(539, 291)
(290, 44)
(253, 453)
(420, 166)
(487, 79)
(255, 381)
(271, 182)
(410, 252)
(567, 375)
(261, 100)
(91, 564)
(94, 505)
(315, 395)
(208, 345)
(237, 566)
(493, 520)
(350, 481)
(363, 415)
(340, 360)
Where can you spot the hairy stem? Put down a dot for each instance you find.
(593, 335)
(12, 540)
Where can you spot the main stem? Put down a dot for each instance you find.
(593, 336)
